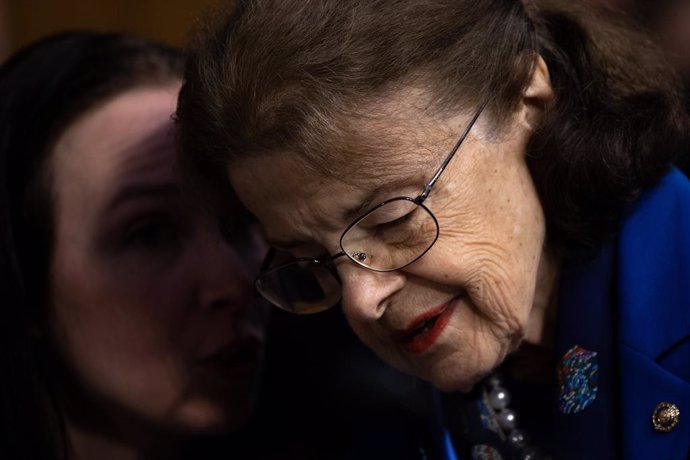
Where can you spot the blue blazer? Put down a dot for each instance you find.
(654, 320)
(631, 305)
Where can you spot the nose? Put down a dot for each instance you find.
(224, 278)
(366, 294)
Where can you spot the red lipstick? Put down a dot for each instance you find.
(423, 331)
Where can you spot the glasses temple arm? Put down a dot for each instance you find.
(432, 181)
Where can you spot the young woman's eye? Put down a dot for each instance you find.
(153, 234)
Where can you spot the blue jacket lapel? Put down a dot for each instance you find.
(654, 319)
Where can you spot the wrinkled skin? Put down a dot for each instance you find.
(490, 262)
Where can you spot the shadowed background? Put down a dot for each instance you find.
(22, 21)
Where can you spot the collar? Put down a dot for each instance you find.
(654, 274)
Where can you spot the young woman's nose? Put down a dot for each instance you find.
(224, 278)
(367, 294)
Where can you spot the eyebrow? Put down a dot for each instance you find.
(365, 204)
(355, 211)
(138, 191)
(349, 213)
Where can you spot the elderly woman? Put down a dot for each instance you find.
(486, 187)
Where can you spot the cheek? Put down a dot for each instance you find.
(122, 335)
(492, 252)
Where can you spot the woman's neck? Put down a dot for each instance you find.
(541, 325)
(533, 361)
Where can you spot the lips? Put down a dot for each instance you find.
(239, 357)
(424, 330)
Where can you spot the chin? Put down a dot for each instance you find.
(452, 385)
(447, 381)
(207, 418)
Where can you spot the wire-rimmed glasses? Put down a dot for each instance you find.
(388, 237)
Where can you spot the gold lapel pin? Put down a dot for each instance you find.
(665, 416)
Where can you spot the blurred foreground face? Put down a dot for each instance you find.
(154, 312)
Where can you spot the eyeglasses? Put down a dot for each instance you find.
(389, 237)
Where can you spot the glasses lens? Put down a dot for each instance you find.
(301, 287)
(391, 236)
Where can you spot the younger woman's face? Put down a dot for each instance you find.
(153, 311)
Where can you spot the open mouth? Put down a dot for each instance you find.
(425, 329)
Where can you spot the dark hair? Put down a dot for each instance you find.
(288, 74)
(43, 89)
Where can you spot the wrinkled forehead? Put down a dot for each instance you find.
(389, 147)
(283, 194)
(388, 131)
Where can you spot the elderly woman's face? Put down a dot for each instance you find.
(453, 315)
(153, 311)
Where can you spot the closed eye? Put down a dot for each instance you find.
(396, 224)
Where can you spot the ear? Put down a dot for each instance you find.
(537, 96)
